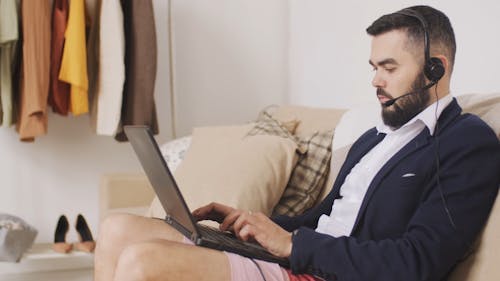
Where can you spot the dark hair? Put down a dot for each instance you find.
(441, 35)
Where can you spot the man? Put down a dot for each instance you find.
(407, 204)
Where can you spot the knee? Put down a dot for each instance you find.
(134, 263)
(114, 227)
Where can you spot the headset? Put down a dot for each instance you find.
(434, 70)
(433, 67)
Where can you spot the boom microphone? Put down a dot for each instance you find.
(392, 101)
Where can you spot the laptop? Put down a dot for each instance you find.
(178, 214)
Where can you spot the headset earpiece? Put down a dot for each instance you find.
(434, 69)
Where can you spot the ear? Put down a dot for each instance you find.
(445, 61)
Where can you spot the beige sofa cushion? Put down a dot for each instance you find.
(486, 106)
(482, 264)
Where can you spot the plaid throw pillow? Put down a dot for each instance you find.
(267, 125)
(308, 176)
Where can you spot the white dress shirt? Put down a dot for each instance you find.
(353, 190)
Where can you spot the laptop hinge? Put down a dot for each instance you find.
(179, 227)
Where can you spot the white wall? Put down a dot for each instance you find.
(230, 59)
(329, 48)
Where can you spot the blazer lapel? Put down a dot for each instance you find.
(366, 143)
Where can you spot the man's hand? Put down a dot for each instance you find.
(259, 227)
(213, 211)
(248, 226)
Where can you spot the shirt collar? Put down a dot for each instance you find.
(428, 116)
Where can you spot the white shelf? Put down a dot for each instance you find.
(41, 258)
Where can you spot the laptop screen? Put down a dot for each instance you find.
(160, 176)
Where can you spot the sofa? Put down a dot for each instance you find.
(288, 166)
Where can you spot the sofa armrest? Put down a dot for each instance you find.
(124, 192)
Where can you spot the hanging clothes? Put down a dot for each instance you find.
(111, 73)
(138, 106)
(59, 90)
(9, 35)
(93, 61)
(35, 69)
(74, 60)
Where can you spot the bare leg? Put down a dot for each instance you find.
(149, 261)
(136, 234)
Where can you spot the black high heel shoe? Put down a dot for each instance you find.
(60, 244)
(87, 243)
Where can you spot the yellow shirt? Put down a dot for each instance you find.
(74, 60)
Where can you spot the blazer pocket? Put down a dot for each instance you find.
(408, 181)
(405, 180)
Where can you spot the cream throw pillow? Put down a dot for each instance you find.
(225, 165)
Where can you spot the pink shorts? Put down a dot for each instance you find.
(244, 269)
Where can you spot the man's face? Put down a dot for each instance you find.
(397, 72)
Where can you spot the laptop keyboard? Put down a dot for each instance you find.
(226, 238)
(228, 242)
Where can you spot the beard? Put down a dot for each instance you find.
(406, 108)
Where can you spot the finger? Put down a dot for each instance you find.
(229, 220)
(255, 227)
(213, 211)
(243, 219)
(202, 212)
(223, 209)
(246, 233)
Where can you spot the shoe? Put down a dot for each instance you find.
(87, 243)
(60, 244)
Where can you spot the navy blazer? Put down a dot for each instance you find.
(403, 230)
